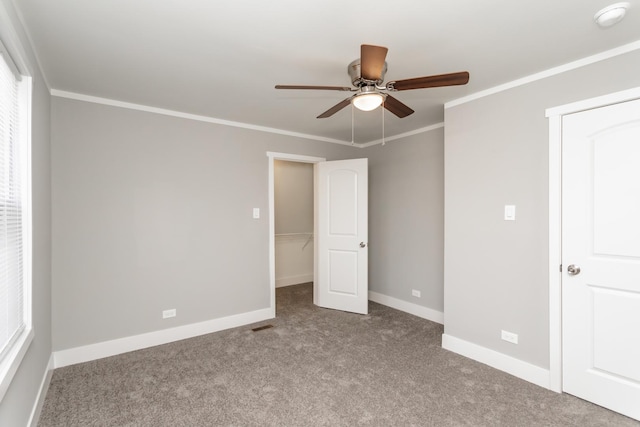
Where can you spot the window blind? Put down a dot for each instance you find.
(12, 319)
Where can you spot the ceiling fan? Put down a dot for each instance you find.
(367, 75)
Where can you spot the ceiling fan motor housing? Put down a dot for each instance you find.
(356, 79)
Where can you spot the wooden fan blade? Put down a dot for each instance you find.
(452, 79)
(343, 88)
(396, 107)
(331, 111)
(372, 61)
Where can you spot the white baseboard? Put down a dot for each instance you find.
(294, 280)
(137, 342)
(408, 307)
(516, 367)
(42, 394)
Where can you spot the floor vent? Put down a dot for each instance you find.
(262, 328)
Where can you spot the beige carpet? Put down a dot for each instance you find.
(315, 367)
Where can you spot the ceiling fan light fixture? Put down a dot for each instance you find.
(611, 15)
(367, 101)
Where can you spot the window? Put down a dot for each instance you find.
(15, 219)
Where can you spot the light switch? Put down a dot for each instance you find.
(256, 213)
(509, 212)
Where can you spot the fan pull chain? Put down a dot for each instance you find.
(383, 122)
(353, 140)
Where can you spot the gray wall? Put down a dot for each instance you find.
(496, 153)
(406, 208)
(153, 212)
(16, 406)
(293, 198)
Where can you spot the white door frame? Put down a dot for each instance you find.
(272, 221)
(555, 220)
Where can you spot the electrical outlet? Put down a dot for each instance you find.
(415, 293)
(169, 313)
(510, 337)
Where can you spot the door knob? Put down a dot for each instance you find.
(363, 244)
(573, 270)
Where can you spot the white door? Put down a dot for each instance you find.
(341, 268)
(601, 256)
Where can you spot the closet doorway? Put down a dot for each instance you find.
(340, 233)
(293, 214)
(291, 220)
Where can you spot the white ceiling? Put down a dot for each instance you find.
(222, 58)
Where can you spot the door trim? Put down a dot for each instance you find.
(555, 220)
(272, 219)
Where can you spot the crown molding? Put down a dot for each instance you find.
(179, 114)
(403, 135)
(602, 56)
